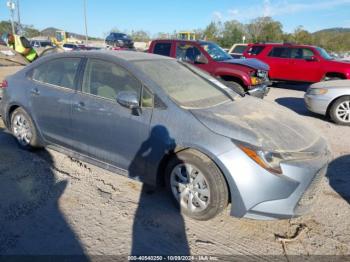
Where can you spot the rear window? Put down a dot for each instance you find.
(58, 72)
(281, 52)
(255, 50)
(239, 49)
(162, 49)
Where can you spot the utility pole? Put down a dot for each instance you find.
(11, 5)
(86, 30)
(19, 17)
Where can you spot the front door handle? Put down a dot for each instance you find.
(35, 91)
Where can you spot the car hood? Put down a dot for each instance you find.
(249, 62)
(332, 84)
(259, 123)
(343, 63)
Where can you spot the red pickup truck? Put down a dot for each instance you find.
(302, 63)
(242, 75)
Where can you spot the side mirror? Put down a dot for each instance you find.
(128, 99)
(201, 59)
(311, 59)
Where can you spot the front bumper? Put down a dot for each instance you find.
(258, 194)
(259, 90)
(317, 103)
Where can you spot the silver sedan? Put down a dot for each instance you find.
(330, 98)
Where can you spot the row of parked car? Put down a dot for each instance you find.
(264, 63)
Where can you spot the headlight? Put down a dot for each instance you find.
(255, 80)
(317, 91)
(271, 160)
(261, 73)
(267, 160)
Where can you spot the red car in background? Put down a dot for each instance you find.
(242, 75)
(302, 63)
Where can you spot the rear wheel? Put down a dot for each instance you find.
(340, 111)
(23, 128)
(197, 185)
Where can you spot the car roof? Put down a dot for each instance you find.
(183, 40)
(121, 55)
(281, 45)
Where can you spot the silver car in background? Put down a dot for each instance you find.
(330, 98)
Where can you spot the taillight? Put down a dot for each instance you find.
(3, 84)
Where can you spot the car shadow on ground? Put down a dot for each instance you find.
(31, 222)
(292, 86)
(298, 106)
(339, 176)
(158, 226)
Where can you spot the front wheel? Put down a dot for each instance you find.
(235, 87)
(197, 185)
(340, 111)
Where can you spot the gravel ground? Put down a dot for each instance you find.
(52, 204)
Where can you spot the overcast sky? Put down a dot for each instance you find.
(156, 16)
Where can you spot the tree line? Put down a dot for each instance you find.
(261, 29)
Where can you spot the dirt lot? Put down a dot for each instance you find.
(52, 204)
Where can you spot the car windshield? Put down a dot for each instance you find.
(185, 84)
(216, 52)
(324, 53)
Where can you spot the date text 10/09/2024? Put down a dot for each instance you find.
(172, 258)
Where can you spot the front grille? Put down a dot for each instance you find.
(310, 194)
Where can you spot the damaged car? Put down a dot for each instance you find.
(245, 76)
(165, 122)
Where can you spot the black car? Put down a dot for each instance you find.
(119, 40)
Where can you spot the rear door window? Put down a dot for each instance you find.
(239, 49)
(301, 53)
(162, 49)
(280, 52)
(106, 79)
(59, 72)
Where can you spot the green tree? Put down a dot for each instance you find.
(30, 31)
(213, 31)
(232, 33)
(301, 36)
(265, 29)
(140, 36)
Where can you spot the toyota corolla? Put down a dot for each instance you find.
(163, 122)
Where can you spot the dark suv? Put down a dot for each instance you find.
(119, 40)
(302, 63)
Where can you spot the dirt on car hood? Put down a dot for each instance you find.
(249, 62)
(259, 123)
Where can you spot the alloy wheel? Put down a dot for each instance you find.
(22, 129)
(343, 111)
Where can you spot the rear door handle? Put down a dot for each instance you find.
(35, 91)
(79, 106)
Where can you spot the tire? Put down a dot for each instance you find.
(208, 190)
(340, 111)
(235, 87)
(24, 130)
(331, 78)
